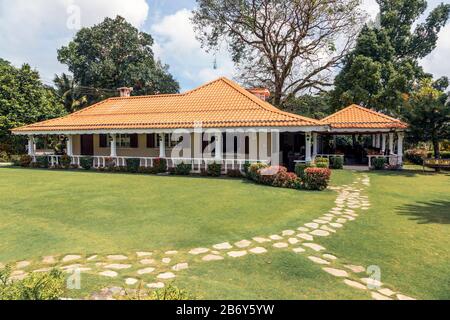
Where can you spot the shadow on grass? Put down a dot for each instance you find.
(408, 173)
(427, 212)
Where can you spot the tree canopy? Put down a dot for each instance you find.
(287, 46)
(383, 68)
(115, 54)
(23, 100)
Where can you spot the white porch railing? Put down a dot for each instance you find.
(197, 163)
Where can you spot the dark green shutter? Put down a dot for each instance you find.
(103, 141)
(151, 141)
(134, 141)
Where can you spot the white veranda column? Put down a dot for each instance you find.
(31, 146)
(308, 138)
(70, 145)
(162, 145)
(400, 136)
(315, 144)
(391, 142)
(113, 145)
(383, 143)
(218, 145)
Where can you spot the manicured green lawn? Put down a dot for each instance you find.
(406, 232)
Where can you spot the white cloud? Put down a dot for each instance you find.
(176, 45)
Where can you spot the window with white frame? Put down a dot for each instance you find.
(168, 140)
(123, 141)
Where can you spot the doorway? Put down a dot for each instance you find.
(87, 145)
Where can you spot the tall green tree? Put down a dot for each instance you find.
(73, 97)
(383, 68)
(428, 113)
(23, 100)
(313, 106)
(288, 46)
(115, 54)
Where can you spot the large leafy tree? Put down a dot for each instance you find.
(428, 113)
(383, 67)
(115, 54)
(289, 46)
(73, 97)
(23, 100)
(315, 106)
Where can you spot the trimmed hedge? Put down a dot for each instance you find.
(160, 165)
(42, 162)
(337, 163)
(86, 163)
(322, 163)
(236, 173)
(25, 160)
(379, 163)
(416, 156)
(183, 169)
(215, 169)
(316, 178)
(301, 167)
(66, 161)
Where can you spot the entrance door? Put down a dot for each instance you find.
(87, 145)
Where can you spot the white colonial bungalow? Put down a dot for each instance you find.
(217, 122)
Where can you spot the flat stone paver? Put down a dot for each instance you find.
(326, 228)
(319, 221)
(314, 246)
(147, 261)
(42, 270)
(71, 257)
(341, 220)
(141, 254)
(92, 258)
(378, 296)
(49, 260)
(157, 285)
(355, 284)
(109, 274)
(237, 254)
(372, 282)
(288, 233)
(212, 257)
(166, 276)
(22, 264)
(280, 245)
(293, 240)
(403, 297)
(145, 271)
(198, 251)
(329, 257)
(305, 236)
(318, 260)
(223, 246)
(180, 266)
(166, 260)
(320, 233)
(298, 250)
(117, 266)
(171, 252)
(261, 239)
(117, 257)
(243, 244)
(312, 225)
(336, 272)
(387, 292)
(276, 237)
(303, 229)
(355, 269)
(258, 250)
(336, 225)
(131, 281)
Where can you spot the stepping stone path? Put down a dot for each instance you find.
(212, 257)
(320, 221)
(147, 261)
(131, 281)
(70, 258)
(293, 240)
(180, 267)
(223, 246)
(314, 246)
(109, 274)
(166, 276)
(276, 237)
(355, 269)
(329, 257)
(372, 282)
(305, 236)
(288, 233)
(328, 229)
(243, 244)
(303, 229)
(318, 260)
(166, 260)
(22, 264)
(355, 284)
(117, 257)
(145, 271)
(336, 225)
(386, 292)
(42, 270)
(92, 258)
(141, 254)
(198, 251)
(280, 245)
(171, 253)
(118, 266)
(403, 297)
(320, 233)
(49, 260)
(378, 296)
(261, 240)
(341, 220)
(336, 272)
(298, 250)
(237, 254)
(312, 225)
(258, 250)
(158, 285)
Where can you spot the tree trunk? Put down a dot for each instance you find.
(437, 153)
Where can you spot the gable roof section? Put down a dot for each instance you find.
(218, 104)
(357, 117)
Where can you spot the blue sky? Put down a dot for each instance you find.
(32, 31)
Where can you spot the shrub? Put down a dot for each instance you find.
(234, 173)
(300, 169)
(160, 165)
(86, 163)
(110, 163)
(253, 169)
(443, 155)
(416, 156)
(15, 160)
(143, 170)
(66, 161)
(268, 175)
(133, 165)
(214, 169)
(37, 286)
(25, 160)
(285, 179)
(246, 167)
(183, 169)
(337, 163)
(322, 163)
(379, 163)
(316, 178)
(4, 157)
(42, 162)
(169, 293)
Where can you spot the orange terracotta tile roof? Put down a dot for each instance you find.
(218, 104)
(357, 117)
